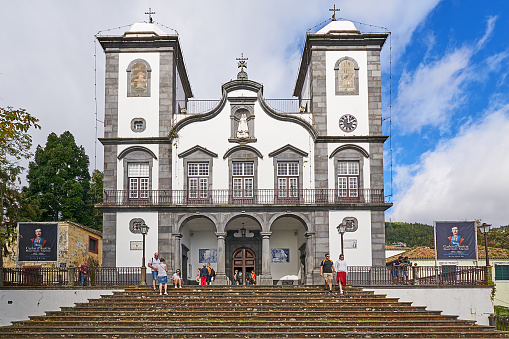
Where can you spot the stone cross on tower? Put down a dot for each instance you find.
(150, 15)
(334, 10)
(242, 62)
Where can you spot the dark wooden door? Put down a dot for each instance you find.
(244, 261)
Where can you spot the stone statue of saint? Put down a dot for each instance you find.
(243, 130)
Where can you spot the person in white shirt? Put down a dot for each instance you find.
(177, 279)
(155, 260)
(162, 277)
(342, 272)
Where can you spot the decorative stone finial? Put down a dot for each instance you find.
(242, 64)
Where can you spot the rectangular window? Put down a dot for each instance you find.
(348, 179)
(287, 179)
(198, 180)
(501, 272)
(243, 179)
(93, 245)
(138, 178)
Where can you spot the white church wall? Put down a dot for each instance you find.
(466, 302)
(213, 134)
(285, 239)
(200, 240)
(155, 167)
(138, 107)
(357, 244)
(356, 105)
(132, 258)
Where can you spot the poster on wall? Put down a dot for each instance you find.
(455, 240)
(281, 255)
(37, 242)
(207, 256)
(350, 244)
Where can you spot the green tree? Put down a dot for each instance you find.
(59, 181)
(413, 234)
(96, 192)
(15, 143)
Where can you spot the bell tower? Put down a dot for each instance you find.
(145, 83)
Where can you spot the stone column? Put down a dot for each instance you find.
(310, 257)
(266, 276)
(177, 257)
(221, 260)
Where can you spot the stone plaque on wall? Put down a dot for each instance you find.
(350, 244)
(136, 245)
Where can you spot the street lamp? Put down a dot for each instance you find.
(485, 228)
(341, 230)
(144, 230)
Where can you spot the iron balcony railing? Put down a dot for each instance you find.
(417, 275)
(357, 276)
(279, 105)
(243, 197)
(97, 276)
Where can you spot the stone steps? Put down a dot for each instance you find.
(245, 312)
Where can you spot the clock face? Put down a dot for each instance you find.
(347, 123)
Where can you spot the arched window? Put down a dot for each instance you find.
(138, 78)
(347, 76)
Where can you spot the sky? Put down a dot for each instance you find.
(444, 82)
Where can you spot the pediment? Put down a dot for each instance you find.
(195, 149)
(289, 148)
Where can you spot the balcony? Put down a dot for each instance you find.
(286, 106)
(242, 197)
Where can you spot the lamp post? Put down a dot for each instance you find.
(144, 230)
(341, 230)
(485, 228)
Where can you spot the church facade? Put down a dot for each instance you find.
(244, 182)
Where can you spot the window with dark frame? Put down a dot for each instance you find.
(501, 272)
(93, 245)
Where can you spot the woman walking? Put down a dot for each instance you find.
(162, 277)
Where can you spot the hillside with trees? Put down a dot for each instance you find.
(413, 235)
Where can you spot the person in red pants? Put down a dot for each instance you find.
(204, 272)
(342, 272)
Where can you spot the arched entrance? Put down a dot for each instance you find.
(244, 260)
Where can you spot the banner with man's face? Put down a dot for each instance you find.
(37, 242)
(455, 240)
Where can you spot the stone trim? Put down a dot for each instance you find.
(288, 147)
(288, 155)
(198, 156)
(236, 112)
(137, 156)
(134, 149)
(356, 75)
(123, 141)
(367, 139)
(352, 147)
(349, 154)
(197, 148)
(242, 148)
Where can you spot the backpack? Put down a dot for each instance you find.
(212, 273)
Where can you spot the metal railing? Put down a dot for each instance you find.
(501, 323)
(417, 275)
(196, 106)
(278, 105)
(98, 276)
(242, 197)
(289, 105)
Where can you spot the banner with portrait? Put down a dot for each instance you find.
(37, 242)
(455, 240)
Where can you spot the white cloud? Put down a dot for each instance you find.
(466, 177)
(430, 95)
